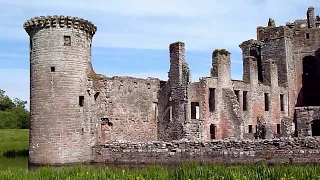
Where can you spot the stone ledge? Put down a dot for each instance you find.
(258, 144)
(61, 21)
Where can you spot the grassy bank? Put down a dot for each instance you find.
(13, 165)
(13, 140)
(14, 148)
(184, 172)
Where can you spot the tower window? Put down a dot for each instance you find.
(53, 69)
(307, 35)
(67, 40)
(81, 101)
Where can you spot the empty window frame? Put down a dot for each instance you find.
(212, 131)
(237, 94)
(249, 128)
(278, 129)
(281, 103)
(244, 102)
(266, 101)
(194, 110)
(81, 101)
(212, 105)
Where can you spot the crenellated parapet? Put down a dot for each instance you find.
(59, 21)
(272, 32)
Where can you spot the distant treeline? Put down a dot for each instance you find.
(13, 114)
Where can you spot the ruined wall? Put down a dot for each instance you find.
(60, 108)
(207, 115)
(219, 110)
(303, 47)
(178, 88)
(306, 117)
(268, 151)
(128, 108)
(277, 44)
(194, 124)
(251, 95)
(255, 103)
(165, 112)
(274, 47)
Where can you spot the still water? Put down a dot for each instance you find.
(16, 163)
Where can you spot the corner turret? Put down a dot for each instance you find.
(61, 131)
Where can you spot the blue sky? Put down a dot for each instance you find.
(133, 35)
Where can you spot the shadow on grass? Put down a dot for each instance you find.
(16, 153)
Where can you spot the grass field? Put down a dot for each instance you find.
(13, 165)
(183, 172)
(14, 148)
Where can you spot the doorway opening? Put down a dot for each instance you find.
(212, 131)
(315, 127)
(310, 82)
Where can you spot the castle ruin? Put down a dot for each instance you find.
(74, 110)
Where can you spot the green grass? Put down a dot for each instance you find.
(13, 140)
(14, 148)
(13, 165)
(183, 172)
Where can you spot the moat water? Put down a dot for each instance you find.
(13, 163)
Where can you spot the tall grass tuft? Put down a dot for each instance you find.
(183, 172)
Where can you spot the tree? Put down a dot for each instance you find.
(5, 102)
(13, 114)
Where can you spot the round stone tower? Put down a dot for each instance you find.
(60, 60)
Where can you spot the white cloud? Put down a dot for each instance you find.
(147, 24)
(150, 24)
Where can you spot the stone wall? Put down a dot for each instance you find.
(178, 89)
(128, 108)
(303, 47)
(305, 117)
(298, 150)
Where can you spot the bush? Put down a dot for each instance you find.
(13, 114)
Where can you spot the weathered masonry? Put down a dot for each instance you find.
(76, 112)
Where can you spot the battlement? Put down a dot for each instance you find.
(59, 21)
(272, 32)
